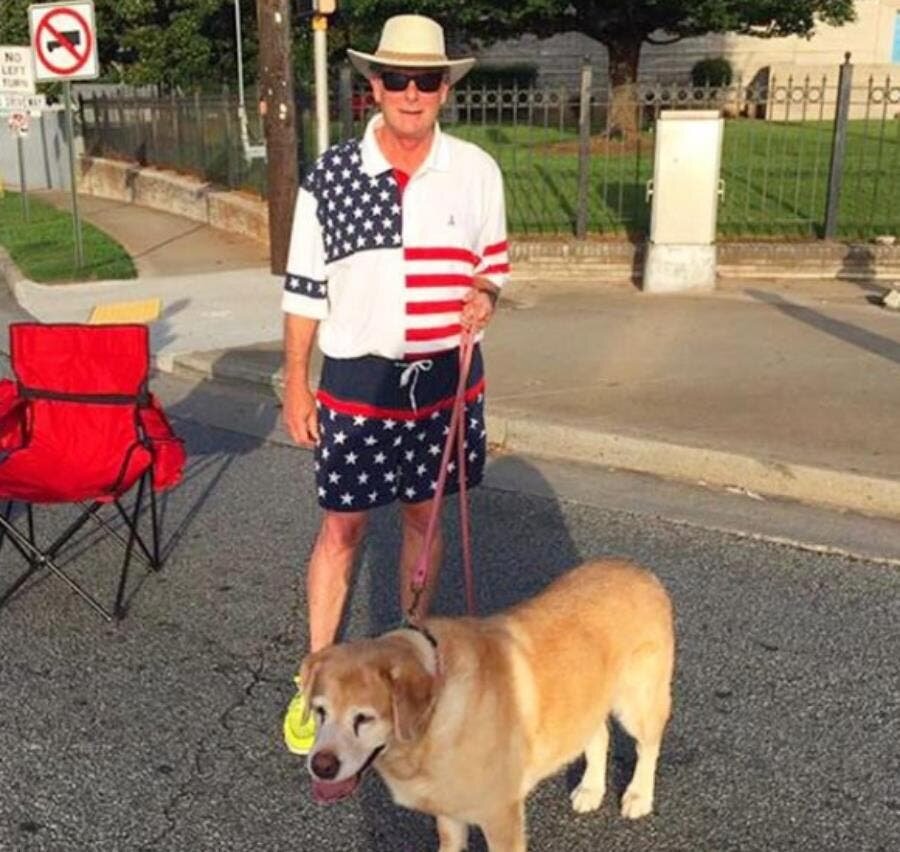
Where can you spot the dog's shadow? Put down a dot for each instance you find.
(622, 756)
(521, 543)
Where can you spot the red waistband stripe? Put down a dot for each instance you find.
(367, 410)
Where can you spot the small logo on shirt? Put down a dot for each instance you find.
(451, 222)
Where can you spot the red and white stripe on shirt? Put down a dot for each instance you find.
(403, 300)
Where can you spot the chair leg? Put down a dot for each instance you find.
(154, 519)
(27, 554)
(29, 512)
(40, 559)
(7, 513)
(129, 547)
(69, 531)
(114, 533)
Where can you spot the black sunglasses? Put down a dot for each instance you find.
(426, 81)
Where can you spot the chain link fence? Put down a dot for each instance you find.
(803, 156)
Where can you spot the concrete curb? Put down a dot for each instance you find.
(10, 274)
(510, 433)
(752, 475)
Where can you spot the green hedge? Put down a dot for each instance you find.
(523, 75)
(712, 72)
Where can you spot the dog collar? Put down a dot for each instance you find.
(424, 631)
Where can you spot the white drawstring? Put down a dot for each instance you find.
(410, 376)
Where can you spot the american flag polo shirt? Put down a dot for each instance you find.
(383, 261)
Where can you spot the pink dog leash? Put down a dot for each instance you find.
(456, 434)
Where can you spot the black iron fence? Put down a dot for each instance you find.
(803, 156)
(198, 134)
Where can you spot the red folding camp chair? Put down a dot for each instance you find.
(79, 425)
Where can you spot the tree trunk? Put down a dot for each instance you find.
(624, 56)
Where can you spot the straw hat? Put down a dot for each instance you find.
(410, 41)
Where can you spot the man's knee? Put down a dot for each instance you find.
(343, 530)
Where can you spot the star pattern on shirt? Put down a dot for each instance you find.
(305, 286)
(357, 211)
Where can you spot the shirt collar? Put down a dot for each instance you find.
(375, 163)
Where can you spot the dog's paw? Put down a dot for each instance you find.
(585, 799)
(636, 804)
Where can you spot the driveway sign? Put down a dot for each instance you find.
(34, 104)
(64, 39)
(16, 70)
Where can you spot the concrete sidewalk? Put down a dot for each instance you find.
(789, 389)
(162, 244)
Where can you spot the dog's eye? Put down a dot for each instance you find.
(359, 720)
(320, 714)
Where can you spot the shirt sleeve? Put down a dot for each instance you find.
(493, 249)
(306, 284)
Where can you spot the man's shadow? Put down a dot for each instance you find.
(520, 544)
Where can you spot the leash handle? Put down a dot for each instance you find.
(456, 435)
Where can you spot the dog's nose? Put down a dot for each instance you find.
(325, 765)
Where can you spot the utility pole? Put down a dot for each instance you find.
(278, 110)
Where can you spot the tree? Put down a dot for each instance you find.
(622, 26)
(169, 43)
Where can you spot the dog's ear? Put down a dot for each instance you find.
(412, 697)
(306, 679)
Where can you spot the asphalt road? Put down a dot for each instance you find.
(163, 732)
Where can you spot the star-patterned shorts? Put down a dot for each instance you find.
(366, 462)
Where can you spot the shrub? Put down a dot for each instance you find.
(712, 72)
(521, 74)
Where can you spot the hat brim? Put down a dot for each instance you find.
(366, 64)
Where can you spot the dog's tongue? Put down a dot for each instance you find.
(326, 792)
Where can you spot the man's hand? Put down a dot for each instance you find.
(301, 419)
(478, 306)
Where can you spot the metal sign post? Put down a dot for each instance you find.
(18, 126)
(64, 39)
(76, 219)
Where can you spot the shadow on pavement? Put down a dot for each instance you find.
(855, 336)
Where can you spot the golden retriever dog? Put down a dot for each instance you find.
(463, 717)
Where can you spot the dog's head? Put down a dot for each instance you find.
(365, 697)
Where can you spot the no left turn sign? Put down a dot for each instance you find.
(64, 39)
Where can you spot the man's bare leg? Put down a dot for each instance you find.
(415, 523)
(328, 575)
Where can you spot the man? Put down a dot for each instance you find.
(398, 243)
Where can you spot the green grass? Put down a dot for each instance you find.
(776, 178)
(43, 247)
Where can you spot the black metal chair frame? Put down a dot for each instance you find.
(46, 559)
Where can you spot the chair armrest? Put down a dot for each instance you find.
(167, 448)
(12, 415)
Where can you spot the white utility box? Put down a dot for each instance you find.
(685, 190)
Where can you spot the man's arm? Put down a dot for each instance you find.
(493, 267)
(299, 413)
(305, 305)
